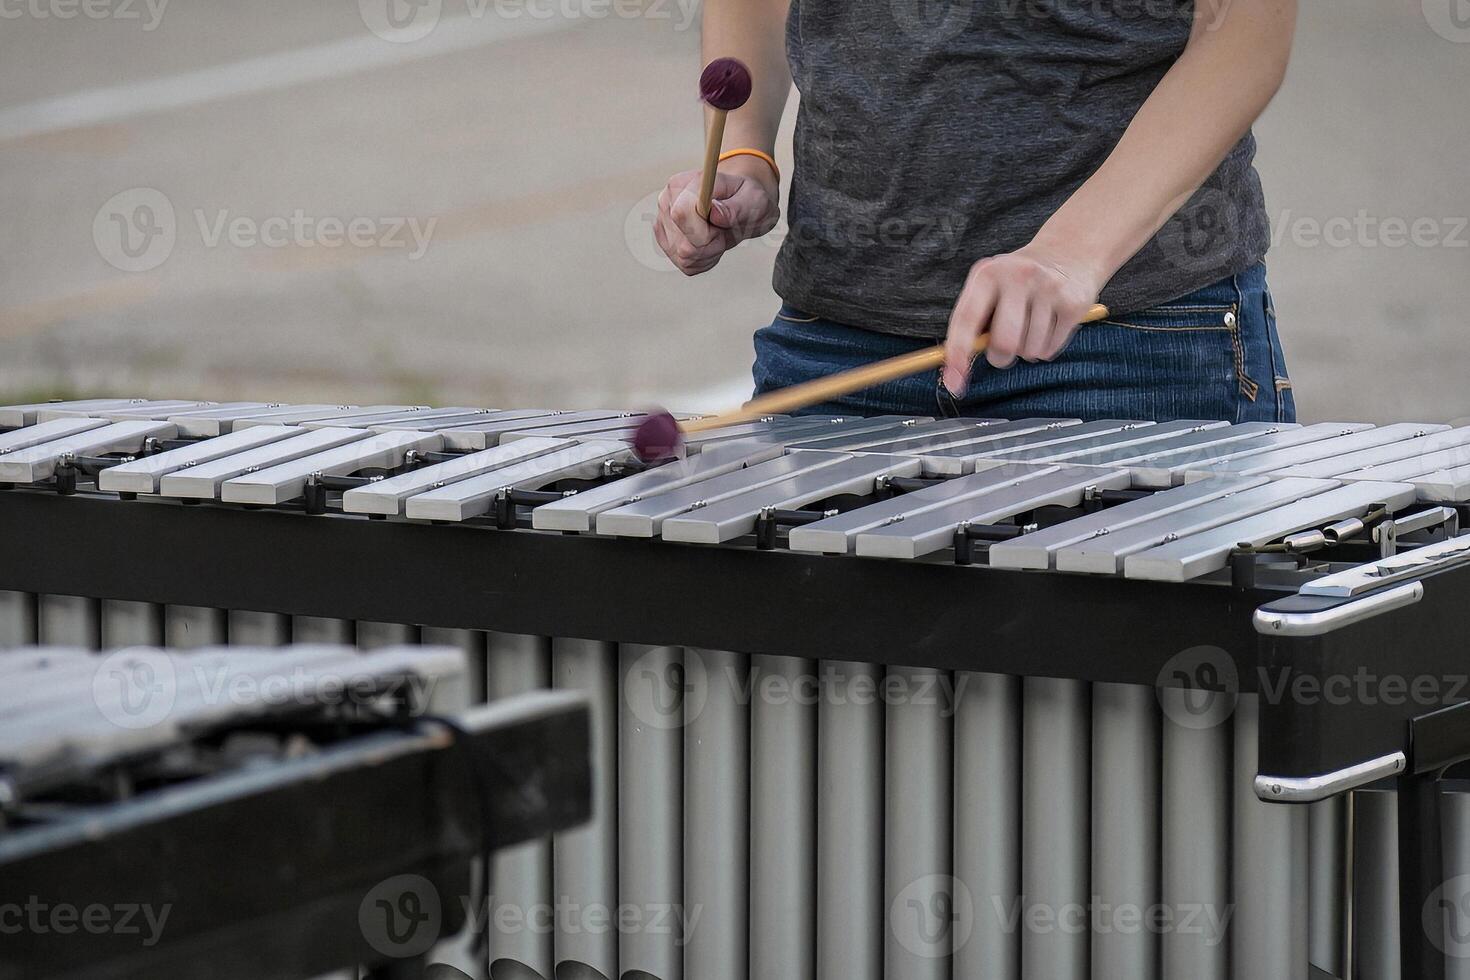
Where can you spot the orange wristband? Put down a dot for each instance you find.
(746, 151)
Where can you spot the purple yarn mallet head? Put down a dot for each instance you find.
(725, 84)
(657, 437)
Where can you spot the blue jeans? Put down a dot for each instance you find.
(1214, 354)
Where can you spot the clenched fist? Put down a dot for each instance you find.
(746, 204)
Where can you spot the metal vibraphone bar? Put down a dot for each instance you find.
(893, 697)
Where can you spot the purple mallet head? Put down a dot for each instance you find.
(658, 437)
(725, 83)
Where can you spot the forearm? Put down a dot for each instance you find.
(755, 32)
(1233, 65)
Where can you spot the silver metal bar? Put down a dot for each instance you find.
(44, 432)
(783, 814)
(1414, 467)
(918, 863)
(259, 629)
(211, 422)
(36, 463)
(1188, 557)
(1105, 550)
(1259, 463)
(971, 432)
(15, 416)
(837, 534)
(644, 518)
(1412, 564)
(1125, 829)
(143, 475)
(388, 496)
(311, 413)
(287, 481)
(1056, 841)
(653, 682)
(376, 636)
(1117, 445)
(204, 480)
(68, 621)
(1169, 468)
(1455, 814)
(1316, 623)
(469, 498)
(1269, 883)
(987, 822)
(522, 906)
(1195, 860)
(1038, 549)
(471, 644)
(142, 410)
(412, 419)
(1313, 789)
(485, 433)
(933, 529)
(736, 515)
(1449, 485)
(191, 627)
(851, 914)
(320, 629)
(967, 457)
(1326, 847)
(1335, 466)
(1376, 881)
(717, 819)
(579, 511)
(17, 620)
(131, 624)
(855, 436)
(618, 427)
(168, 414)
(470, 420)
(585, 860)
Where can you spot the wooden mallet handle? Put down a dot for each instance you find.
(819, 390)
(712, 146)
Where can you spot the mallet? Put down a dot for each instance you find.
(723, 86)
(661, 435)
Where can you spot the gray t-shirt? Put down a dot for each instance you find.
(933, 133)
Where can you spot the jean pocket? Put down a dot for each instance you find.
(1280, 378)
(1179, 316)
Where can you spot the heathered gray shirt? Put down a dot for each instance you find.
(933, 133)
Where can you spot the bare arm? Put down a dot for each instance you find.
(1033, 298)
(747, 194)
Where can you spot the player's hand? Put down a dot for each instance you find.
(1030, 301)
(746, 204)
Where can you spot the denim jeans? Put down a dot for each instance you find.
(1214, 354)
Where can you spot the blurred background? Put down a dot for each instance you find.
(449, 201)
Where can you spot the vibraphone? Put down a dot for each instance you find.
(250, 812)
(886, 697)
